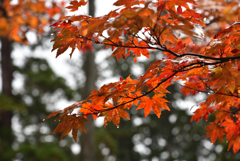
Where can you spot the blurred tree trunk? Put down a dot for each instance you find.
(89, 67)
(6, 136)
(6, 115)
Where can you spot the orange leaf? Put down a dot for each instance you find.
(215, 132)
(146, 104)
(75, 4)
(114, 116)
(231, 128)
(235, 142)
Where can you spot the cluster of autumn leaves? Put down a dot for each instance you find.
(18, 18)
(174, 27)
(168, 26)
(138, 26)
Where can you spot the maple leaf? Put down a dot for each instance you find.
(215, 132)
(78, 125)
(68, 123)
(231, 128)
(114, 116)
(75, 4)
(156, 104)
(202, 112)
(235, 142)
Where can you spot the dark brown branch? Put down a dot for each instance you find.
(164, 49)
(201, 56)
(133, 99)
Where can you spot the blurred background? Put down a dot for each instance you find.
(34, 84)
